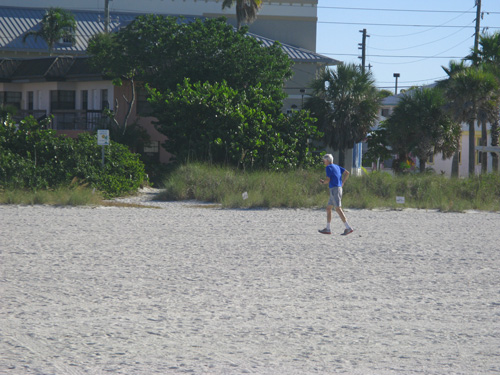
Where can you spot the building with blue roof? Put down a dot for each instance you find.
(64, 86)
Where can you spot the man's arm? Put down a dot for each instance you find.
(345, 176)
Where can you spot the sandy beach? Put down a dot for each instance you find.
(191, 288)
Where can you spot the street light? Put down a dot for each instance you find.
(396, 75)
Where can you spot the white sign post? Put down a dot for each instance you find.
(103, 140)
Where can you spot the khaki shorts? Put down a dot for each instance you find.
(335, 196)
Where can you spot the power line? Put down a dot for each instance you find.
(395, 56)
(418, 45)
(403, 25)
(420, 80)
(406, 10)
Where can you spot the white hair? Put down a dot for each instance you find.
(328, 157)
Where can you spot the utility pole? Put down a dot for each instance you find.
(476, 35)
(396, 75)
(106, 16)
(362, 47)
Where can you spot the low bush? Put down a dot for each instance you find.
(35, 158)
(300, 188)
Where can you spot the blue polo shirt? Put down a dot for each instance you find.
(334, 172)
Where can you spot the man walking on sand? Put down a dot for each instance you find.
(336, 176)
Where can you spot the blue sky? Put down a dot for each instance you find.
(428, 35)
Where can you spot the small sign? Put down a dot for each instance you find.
(103, 137)
(400, 200)
(244, 195)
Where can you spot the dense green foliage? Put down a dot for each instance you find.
(35, 158)
(418, 126)
(301, 189)
(472, 93)
(217, 93)
(163, 51)
(222, 125)
(346, 103)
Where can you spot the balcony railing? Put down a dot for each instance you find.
(79, 120)
(38, 114)
(88, 120)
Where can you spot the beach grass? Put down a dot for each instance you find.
(225, 187)
(58, 197)
(301, 189)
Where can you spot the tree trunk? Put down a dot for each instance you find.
(495, 132)
(422, 166)
(472, 148)
(484, 142)
(342, 158)
(455, 164)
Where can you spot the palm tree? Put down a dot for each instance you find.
(56, 24)
(246, 10)
(470, 90)
(346, 103)
(420, 126)
(489, 54)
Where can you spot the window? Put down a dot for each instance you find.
(152, 150)
(85, 100)
(11, 98)
(67, 40)
(385, 112)
(104, 99)
(479, 154)
(143, 106)
(62, 99)
(152, 147)
(30, 100)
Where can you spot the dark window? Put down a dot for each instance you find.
(104, 99)
(85, 99)
(385, 112)
(30, 100)
(479, 154)
(12, 98)
(152, 147)
(143, 106)
(62, 99)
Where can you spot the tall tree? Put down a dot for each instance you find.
(488, 54)
(246, 10)
(420, 126)
(470, 90)
(163, 51)
(346, 103)
(56, 24)
(215, 91)
(107, 55)
(453, 68)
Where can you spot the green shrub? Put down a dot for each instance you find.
(35, 158)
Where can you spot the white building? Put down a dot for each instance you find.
(437, 162)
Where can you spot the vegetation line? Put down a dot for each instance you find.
(225, 187)
(300, 189)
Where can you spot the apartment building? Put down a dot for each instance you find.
(41, 85)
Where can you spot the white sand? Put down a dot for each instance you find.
(185, 289)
